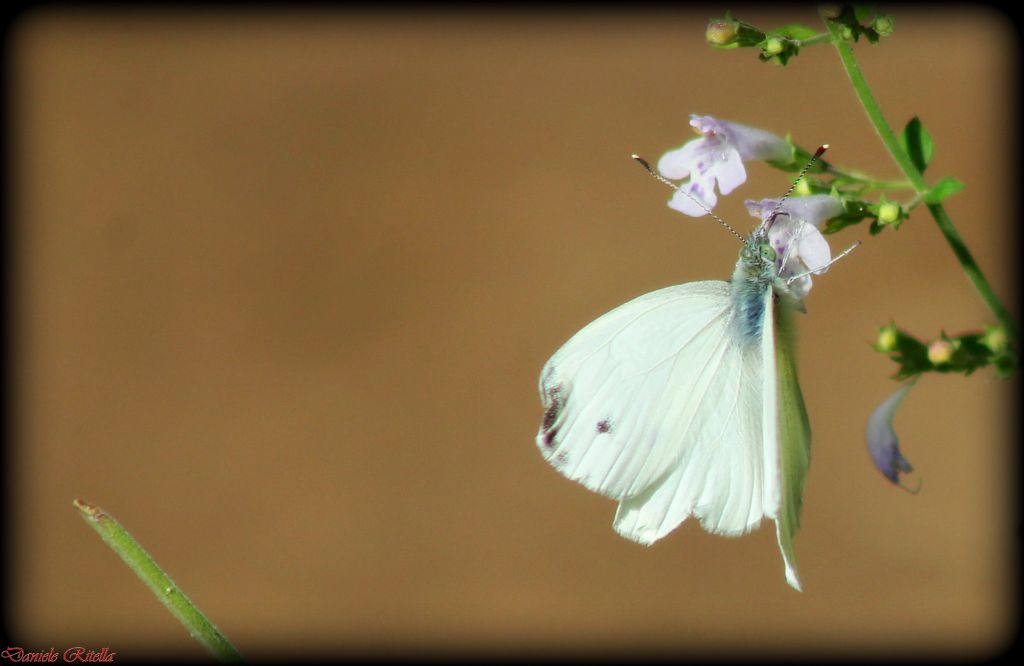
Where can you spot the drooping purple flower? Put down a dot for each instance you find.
(794, 236)
(717, 155)
(883, 444)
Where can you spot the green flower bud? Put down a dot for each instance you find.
(889, 212)
(887, 339)
(995, 339)
(883, 25)
(773, 46)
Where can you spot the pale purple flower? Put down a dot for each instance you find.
(883, 444)
(717, 155)
(794, 236)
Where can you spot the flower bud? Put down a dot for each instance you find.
(773, 46)
(889, 212)
(721, 32)
(883, 25)
(887, 339)
(995, 339)
(940, 351)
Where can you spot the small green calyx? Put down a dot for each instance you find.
(883, 24)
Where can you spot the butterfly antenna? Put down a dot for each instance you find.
(659, 177)
(814, 158)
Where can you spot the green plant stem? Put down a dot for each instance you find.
(938, 212)
(139, 561)
(872, 183)
(816, 39)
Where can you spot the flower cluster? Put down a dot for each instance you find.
(716, 158)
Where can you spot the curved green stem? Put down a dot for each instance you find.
(938, 212)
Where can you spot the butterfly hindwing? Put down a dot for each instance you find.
(794, 437)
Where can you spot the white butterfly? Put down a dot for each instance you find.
(685, 401)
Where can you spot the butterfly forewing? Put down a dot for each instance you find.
(658, 404)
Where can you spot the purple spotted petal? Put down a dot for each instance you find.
(702, 188)
(810, 248)
(883, 444)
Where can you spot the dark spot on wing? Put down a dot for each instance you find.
(604, 425)
(555, 404)
(554, 407)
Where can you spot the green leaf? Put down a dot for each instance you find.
(748, 35)
(840, 223)
(911, 355)
(971, 354)
(943, 189)
(855, 211)
(918, 143)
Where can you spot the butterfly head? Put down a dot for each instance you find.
(758, 259)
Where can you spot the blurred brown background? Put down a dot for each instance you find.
(285, 281)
